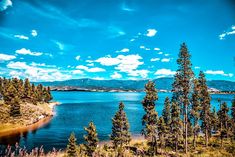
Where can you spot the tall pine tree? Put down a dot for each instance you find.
(150, 118)
(233, 118)
(185, 80)
(195, 111)
(205, 107)
(120, 135)
(91, 139)
(71, 147)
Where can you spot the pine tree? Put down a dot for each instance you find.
(39, 93)
(71, 147)
(233, 118)
(46, 94)
(195, 111)
(162, 132)
(166, 113)
(120, 135)
(150, 118)
(185, 76)
(27, 89)
(224, 120)
(214, 120)
(91, 139)
(175, 125)
(205, 107)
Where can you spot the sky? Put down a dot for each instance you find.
(48, 40)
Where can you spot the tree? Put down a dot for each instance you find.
(120, 135)
(71, 147)
(195, 111)
(205, 107)
(91, 139)
(185, 76)
(27, 89)
(162, 132)
(233, 118)
(149, 120)
(175, 125)
(47, 94)
(166, 113)
(224, 120)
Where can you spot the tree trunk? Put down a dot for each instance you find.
(206, 136)
(194, 139)
(186, 128)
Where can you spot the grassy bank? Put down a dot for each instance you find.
(32, 117)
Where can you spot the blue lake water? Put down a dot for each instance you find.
(77, 109)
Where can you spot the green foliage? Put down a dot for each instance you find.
(150, 118)
(120, 135)
(91, 139)
(233, 118)
(71, 147)
(205, 106)
(166, 113)
(162, 131)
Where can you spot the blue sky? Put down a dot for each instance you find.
(47, 40)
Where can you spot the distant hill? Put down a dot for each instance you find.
(161, 83)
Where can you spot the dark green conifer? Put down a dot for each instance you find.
(162, 132)
(223, 120)
(205, 107)
(46, 94)
(166, 113)
(195, 111)
(91, 139)
(149, 120)
(120, 135)
(185, 76)
(27, 90)
(72, 146)
(233, 118)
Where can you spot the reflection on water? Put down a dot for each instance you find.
(79, 108)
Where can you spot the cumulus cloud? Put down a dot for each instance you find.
(196, 67)
(23, 37)
(5, 57)
(156, 49)
(85, 68)
(142, 47)
(124, 50)
(34, 33)
(36, 73)
(25, 51)
(160, 53)
(165, 60)
(218, 72)
(77, 71)
(116, 75)
(164, 73)
(155, 59)
(151, 32)
(4, 4)
(77, 57)
(231, 31)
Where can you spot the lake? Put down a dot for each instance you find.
(77, 109)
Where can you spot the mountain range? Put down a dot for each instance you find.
(137, 85)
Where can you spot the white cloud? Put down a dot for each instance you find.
(36, 73)
(96, 69)
(160, 53)
(23, 37)
(98, 78)
(157, 49)
(4, 4)
(151, 32)
(155, 59)
(227, 33)
(60, 45)
(34, 33)
(218, 72)
(164, 73)
(5, 57)
(90, 64)
(77, 57)
(142, 47)
(132, 40)
(77, 71)
(196, 67)
(116, 75)
(124, 50)
(167, 54)
(108, 61)
(24, 51)
(147, 49)
(165, 60)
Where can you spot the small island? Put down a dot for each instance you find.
(23, 105)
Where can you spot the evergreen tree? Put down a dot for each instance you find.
(150, 118)
(205, 107)
(166, 113)
(162, 132)
(185, 76)
(214, 120)
(224, 120)
(233, 118)
(91, 139)
(46, 94)
(195, 111)
(120, 135)
(39, 93)
(27, 90)
(175, 125)
(71, 147)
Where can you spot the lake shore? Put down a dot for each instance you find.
(35, 123)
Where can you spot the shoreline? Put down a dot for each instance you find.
(30, 127)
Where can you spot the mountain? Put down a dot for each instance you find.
(161, 84)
